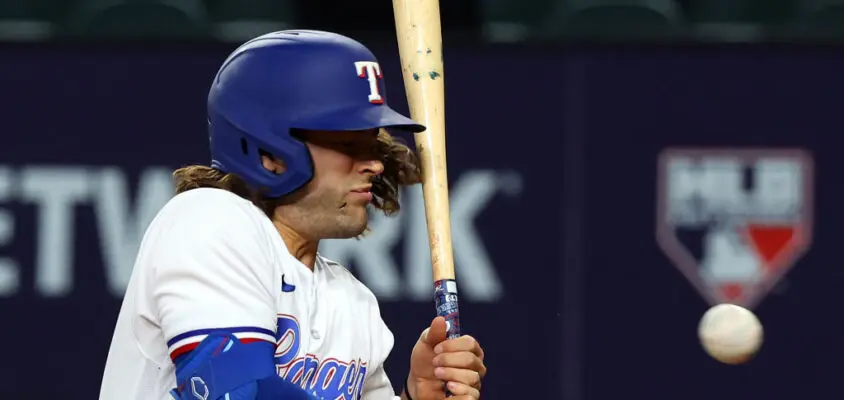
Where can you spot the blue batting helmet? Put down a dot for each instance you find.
(287, 80)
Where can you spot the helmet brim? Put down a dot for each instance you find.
(359, 118)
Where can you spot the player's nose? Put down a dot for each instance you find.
(372, 167)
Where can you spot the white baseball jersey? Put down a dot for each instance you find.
(212, 260)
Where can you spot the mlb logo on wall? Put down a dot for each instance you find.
(734, 221)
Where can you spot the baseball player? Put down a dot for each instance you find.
(229, 297)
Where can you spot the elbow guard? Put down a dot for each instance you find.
(223, 368)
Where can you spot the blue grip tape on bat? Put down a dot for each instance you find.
(445, 298)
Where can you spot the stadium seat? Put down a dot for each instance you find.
(20, 20)
(622, 19)
(141, 19)
(513, 20)
(716, 11)
(239, 20)
(765, 12)
(731, 20)
(819, 20)
(770, 12)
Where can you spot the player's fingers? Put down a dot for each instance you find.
(424, 336)
(465, 376)
(462, 391)
(436, 333)
(463, 360)
(463, 343)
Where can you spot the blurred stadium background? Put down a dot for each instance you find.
(589, 237)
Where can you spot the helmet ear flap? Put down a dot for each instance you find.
(278, 169)
(272, 163)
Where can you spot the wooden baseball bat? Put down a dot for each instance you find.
(419, 34)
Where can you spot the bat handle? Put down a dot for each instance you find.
(445, 297)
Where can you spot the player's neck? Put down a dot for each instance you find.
(303, 249)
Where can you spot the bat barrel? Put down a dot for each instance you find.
(420, 48)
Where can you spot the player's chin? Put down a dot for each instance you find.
(353, 224)
(358, 227)
(348, 232)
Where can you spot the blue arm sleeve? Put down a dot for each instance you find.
(223, 368)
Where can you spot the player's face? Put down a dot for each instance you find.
(333, 204)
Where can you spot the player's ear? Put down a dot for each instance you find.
(271, 163)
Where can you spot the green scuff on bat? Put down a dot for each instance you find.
(433, 75)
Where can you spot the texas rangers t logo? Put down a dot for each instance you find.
(734, 221)
(372, 72)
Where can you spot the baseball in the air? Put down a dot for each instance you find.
(730, 334)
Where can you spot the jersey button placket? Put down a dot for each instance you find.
(315, 304)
